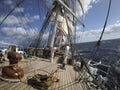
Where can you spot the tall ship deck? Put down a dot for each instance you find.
(45, 57)
(66, 77)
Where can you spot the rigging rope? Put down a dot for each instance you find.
(105, 21)
(99, 41)
(26, 20)
(83, 62)
(11, 11)
(22, 24)
(44, 26)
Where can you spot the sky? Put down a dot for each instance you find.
(23, 24)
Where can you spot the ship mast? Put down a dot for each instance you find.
(54, 33)
(61, 24)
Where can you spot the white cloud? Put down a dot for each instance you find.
(18, 32)
(20, 9)
(17, 35)
(2, 43)
(95, 1)
(8, 2)
(32, 33)
(78, 27)
(45, 36)
(111, 32)
(87, 5)
(113, 28)
(117, 21)
(10, 31)
(11, 20)
(15, 20)
(36, 17)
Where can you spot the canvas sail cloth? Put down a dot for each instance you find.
(63, 19)
(62, 28)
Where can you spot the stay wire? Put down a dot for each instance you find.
(11, 11)
(99, 41)
(25, 18)
(27, 35)
(83, 62)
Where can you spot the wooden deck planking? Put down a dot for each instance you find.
(4, 84)
(8, 86)
(71, 79)
(65, 76)
(18, 87)
(14, 86)
(55, 85)
(66, 82)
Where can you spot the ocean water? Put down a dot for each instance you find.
(108, 53)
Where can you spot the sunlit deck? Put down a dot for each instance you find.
(66, 77)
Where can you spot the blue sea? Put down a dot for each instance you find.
(108, 53)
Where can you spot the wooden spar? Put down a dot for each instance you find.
(81, 5)
(53, 35)
(62, 3)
